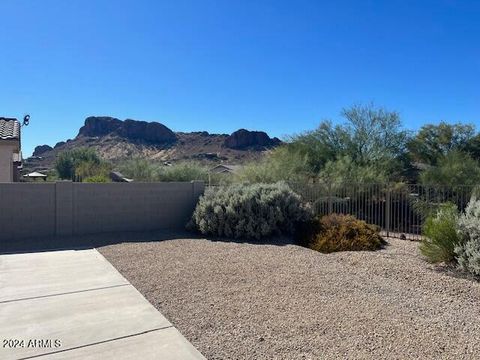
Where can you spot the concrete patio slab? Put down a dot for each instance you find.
(79, 318)
(82, 308)
(40, 274)
(166, 344)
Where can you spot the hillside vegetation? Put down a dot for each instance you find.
(369, 145)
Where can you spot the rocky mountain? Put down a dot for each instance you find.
(244, 139)
(148, 132)
(41, 149)
(116, 140)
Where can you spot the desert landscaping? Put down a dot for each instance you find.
(192, 180)
(250, 300)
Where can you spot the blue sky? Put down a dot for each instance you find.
(278, 66)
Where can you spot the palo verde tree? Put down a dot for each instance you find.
(371, 137)
(434, 142)
(454, 169)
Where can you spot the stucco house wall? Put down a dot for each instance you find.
(7, 149)
(10, 156)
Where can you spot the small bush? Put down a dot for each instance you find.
(150, 171)
(97, 179)
(440, 235)
(140, 170)
(90, 169)
(249, 211)
(468, 250)
(339, 233)
(184, 171)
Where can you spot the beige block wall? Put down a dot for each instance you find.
(26, 210)
(131, 207)
(66, 208)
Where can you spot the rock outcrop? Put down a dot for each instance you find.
(40, 149)
(243, 139)
(117, 140)
(150, 132)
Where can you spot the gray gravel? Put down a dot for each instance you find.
(254, 301)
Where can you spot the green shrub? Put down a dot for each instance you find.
(279, 164)
(68, 161)
(249, 211)
(337, 232)
(148, 171)
(455, 169)
(344, 170)
(468, 250)
(64, 165)
(184, 171)
(440, 235)
(140, 169)
(91, 169)
(97, 179)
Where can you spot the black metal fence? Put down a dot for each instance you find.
(398, 209)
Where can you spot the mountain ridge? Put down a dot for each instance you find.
(117, 140)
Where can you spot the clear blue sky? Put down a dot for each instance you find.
(278, 66)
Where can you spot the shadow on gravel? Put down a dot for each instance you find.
(455, 272)
(79, 242)
(274, 240)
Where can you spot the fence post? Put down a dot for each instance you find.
(387, 210)
(330, 205)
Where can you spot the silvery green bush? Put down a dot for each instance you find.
(468, 251)
(249, 211)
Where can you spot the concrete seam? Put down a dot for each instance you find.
(64, 293)
(98, 342)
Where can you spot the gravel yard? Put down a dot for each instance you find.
(255, 301)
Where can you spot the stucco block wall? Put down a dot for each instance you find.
(26, 210)
(123, 206)
(66, 208)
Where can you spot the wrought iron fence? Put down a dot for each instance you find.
(398, 209)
